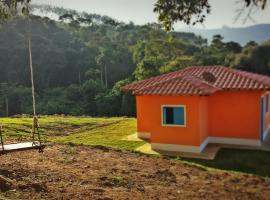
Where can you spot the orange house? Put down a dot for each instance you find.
(187, 109)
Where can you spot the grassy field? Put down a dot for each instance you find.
(109, 132)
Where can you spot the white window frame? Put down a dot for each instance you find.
(174, 125)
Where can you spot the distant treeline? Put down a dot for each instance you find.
(82, 60)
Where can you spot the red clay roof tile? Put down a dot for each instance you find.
(190, 81)
(184, 85)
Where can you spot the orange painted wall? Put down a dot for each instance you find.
(144, 114)
(149, 119)
(234, 114)
(203, 120)
(224, 114)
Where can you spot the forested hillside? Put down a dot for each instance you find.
(81, 60)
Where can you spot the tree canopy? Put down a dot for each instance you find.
(194, 11)
(80, 67)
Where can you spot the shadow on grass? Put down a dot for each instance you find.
(248, 161)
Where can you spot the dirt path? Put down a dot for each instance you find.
(64, 172)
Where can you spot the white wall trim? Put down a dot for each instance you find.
(266, 132)
(175, 148)
(199, 149)
(204, 144)
(144, 135)
(236, 141)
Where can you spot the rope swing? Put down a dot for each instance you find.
(35, 124)
(36, 140)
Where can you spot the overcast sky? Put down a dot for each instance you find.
(141, 11)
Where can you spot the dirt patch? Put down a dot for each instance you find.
(36, 187)
(115, 181)
(164, 176)
(5, 183)
(77, 172)
(65, 129)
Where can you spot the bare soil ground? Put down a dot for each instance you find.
(79, 172)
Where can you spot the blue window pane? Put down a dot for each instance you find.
(173, 115)
(179, 116)
(164, 116)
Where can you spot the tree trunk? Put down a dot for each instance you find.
(101, 75)
(80, 80)
(106, 77)
(7, 110)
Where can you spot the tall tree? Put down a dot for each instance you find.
(195, 11)
(254, 58)
(101, 60)
(4, 92)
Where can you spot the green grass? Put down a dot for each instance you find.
(248, 161)
(109, 132)
(107, 135)
(77, 130)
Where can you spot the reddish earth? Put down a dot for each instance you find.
(65, 172)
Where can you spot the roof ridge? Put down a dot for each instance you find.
(160, 82)
(153, 78)
(186, 78)
(190, 80)
(174, 72)
(181, 75)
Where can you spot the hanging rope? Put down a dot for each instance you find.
(1, 138)
(35, 124)
(31, 60)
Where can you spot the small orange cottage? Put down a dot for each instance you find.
(187, 109)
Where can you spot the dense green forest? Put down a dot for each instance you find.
(81, 61)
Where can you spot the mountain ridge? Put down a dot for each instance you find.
(258, 33)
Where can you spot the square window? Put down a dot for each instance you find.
(174, 115)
